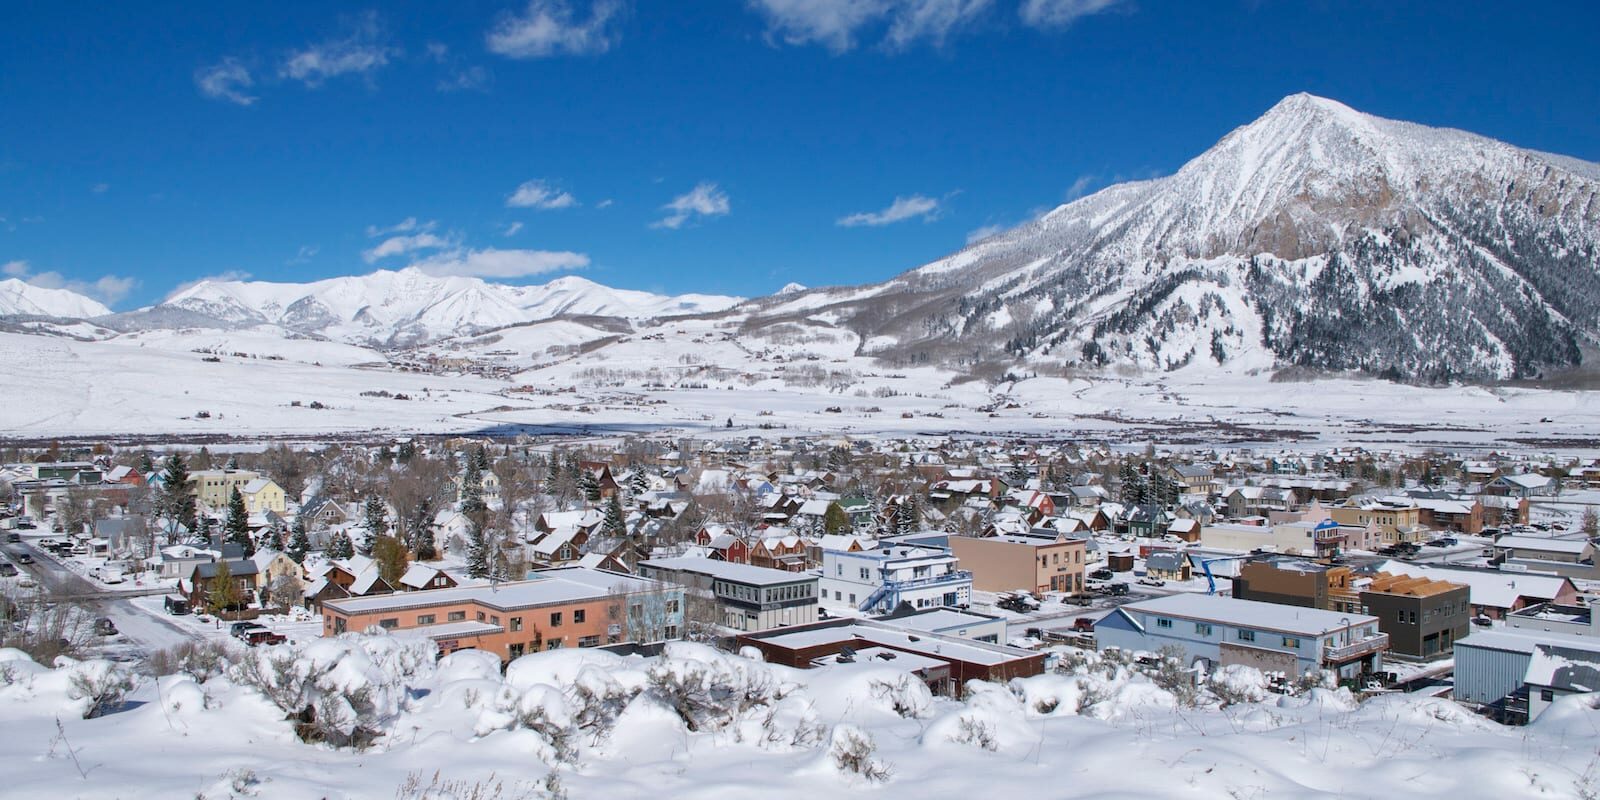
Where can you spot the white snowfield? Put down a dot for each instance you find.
(694, 375)
(20, 297)
(593, 724)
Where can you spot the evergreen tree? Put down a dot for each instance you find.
(275, 537)
(237, 527)
(1017, 476)
(407, 451)
(233, 462)
(834, 520)
(423, 544)
(146, 465)
(477, 551)
(615, 521)
(377, 521)
(299, 542)
(340, 547)
(589, 486)
(391, 557)
(224, 592)
(472, 503)
(480, 458)
(638, 482)
(176, 502)
(202, 459)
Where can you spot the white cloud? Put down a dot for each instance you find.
(704, 200)
(464, 79)
(540, 195)
(493, 263)
(511, 230)
(304, 254)
(100, 188)
(359, 53)
(406, 225)
(108, 289)
(979, 234)
(226, 80)
(1080, 187)
(400, 245)
(837, 24)
(902, 209)
(606, 203)
(1061, 13)
(549, 28)
(229, 276)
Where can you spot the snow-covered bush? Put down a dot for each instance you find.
(100, 685)
(201, 660)
(853, 752)
(344, 691)
(1237, 683)
(710, 690)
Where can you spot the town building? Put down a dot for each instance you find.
(1037, 562)
(750, 598)
(880, 579)
(1267, 636)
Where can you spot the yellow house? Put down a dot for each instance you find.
(1397, 520)
(263, 494)
(213, 487)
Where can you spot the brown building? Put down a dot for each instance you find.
(1423, 617)
(1038, 562)
(1291, 582)
(567, 607)
(806, 646)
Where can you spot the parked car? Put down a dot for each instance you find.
(263, 636)
(175, 605)
(1117, 589)
(1077, 599)
(24, 558)
(1083, 625)
(8, 570)
(105, 627)
(13, 538)
(240, 630)
(1149, 581)
(1102, 574)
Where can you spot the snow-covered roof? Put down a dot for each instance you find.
(1565, 668)
(1493, 589)
(1567, 546)
(553, 586)
(1251, 614)
(729, 571)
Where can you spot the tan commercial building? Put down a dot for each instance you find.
(1397, 520)
(567, 607)
(1038, 562)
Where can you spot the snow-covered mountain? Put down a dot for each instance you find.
(1316, 236)
(18, 297)
(404, 307)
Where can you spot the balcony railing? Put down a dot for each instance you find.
(1371, 644)
(957, 576)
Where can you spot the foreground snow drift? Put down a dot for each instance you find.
(701, 723)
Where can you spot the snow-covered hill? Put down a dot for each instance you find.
(408, 306)
(18, 297)
(1315, 236)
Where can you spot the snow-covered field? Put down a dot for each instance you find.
(703, 724)
(693, 376)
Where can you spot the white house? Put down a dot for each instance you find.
(880, 579)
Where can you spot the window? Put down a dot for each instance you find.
(481, 615)
(852, 598)
(494, 619)
(555, 619)
(578, 616)
(553, 644)
(1291, 642)
(1247, 636)
(613, 611)
(671, 632)
(1202, 628)
(425, 619)
(516, 650)
(1547, 695)
(516, 623)
(338, 625)
(672, 607)
(1162, 622)
(589, 641)
(863, 573)
(455, 616)
(389, 624)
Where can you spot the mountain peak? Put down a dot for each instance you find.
(20, 297)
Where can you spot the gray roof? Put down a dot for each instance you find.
(244, 567)
(728, 571)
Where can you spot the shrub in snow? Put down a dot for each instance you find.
(791, 724)
(710, 690)
(101, 686)
(597, 699)
(853, 752)
(201, 660)
(1237, 683)
(180, 695)
(905, 695)
(344, 691)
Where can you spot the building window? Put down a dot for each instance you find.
(338, 625)
(672, 607)
(578, 616)
(555, 619)
(1202, 628)
(516, 623)
(589, 641)
(1547, 695)
(389, 624)
(1163, 623)
(671, 632)
(553, 644)
(455, 616)
(481, 616)
(515, 650)
(1291, 643)
(425, 619)
(1247, 636)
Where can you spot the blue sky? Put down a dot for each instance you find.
(725, 146)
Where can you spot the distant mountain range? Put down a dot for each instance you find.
(397, 308)
(20, 298)
(1315, 237)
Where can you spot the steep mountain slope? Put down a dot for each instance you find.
(405, 307)
(1315, 236)
(19, 297)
